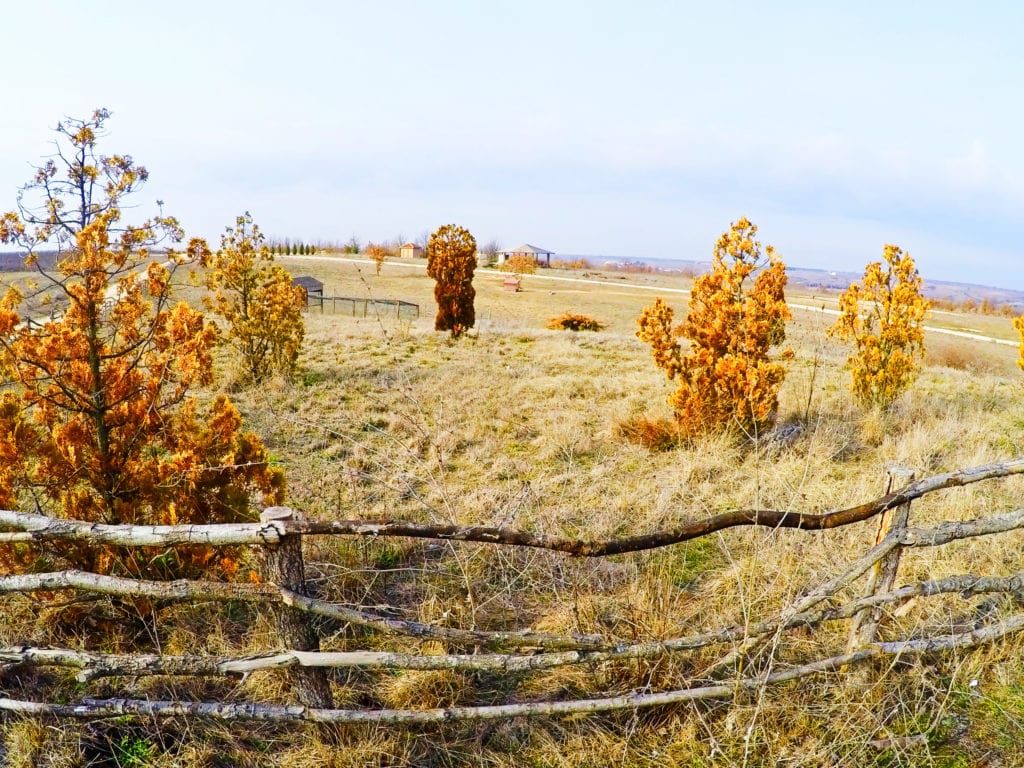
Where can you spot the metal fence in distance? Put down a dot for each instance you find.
(363, 307)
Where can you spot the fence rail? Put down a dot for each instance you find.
(363, 307)
(520, 651)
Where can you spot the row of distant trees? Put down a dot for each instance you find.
(391, 248)
(983, 307)
(288, 248)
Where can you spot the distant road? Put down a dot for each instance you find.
(659, 289)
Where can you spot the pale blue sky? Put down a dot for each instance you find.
(636, 130)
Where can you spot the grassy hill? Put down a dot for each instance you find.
(515, 426)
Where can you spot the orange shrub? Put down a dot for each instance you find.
(727, 379)
(258, 301)
(569, 321)
(520, 264)
(884, 317)
(1018, 323)
(378, 253)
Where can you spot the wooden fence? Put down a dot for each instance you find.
(363, 307)
(521, 651)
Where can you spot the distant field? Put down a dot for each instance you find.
(609, 296)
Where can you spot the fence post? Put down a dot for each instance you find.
(283, 566)
(883, 574)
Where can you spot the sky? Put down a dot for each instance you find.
(632, 130)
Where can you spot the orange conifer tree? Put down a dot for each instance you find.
(97, 422)
(884, 317)
(727, 378)
(378, 254)
(1018, 323)
(259, 303)
(451, 260)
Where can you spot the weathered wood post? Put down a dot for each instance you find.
(883, 574)
(283, 565)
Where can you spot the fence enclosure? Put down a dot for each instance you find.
(362, 307)
(523, 650)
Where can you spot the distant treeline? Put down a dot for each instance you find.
(15, 262)
(983, 307)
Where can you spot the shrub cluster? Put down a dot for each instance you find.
(261, 307)
(520, 264)
(569, 321)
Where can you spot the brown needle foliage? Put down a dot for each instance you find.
(727, 378)
(520, 264)
(378, 254)
(451, 260)
(259, 303)
(884, 317)
(97, 421)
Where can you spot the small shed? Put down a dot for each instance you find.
(410, 251)
(541, 256)
(311, 287)
(512, 284)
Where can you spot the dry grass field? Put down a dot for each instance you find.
(515, 426)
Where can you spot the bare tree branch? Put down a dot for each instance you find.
(184, 590)
(89, 709)
(37, 527)
(95, 665)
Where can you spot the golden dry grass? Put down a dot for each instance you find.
(516, 426)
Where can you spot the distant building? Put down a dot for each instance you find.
(410, 251)
(539, 255)
(311, 287)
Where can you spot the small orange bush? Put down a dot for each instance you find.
(1018, 323)
(378, 254)
(569, 321)
(520, 264)
(727, 379)
(884, 317)
(260, 306)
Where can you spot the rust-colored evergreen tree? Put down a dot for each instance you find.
(1018, 323)
(884, 317)
(259, 303)
(378, 255)
(451, 260)
(98, 421)
(737, 313)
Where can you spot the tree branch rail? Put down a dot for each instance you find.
(516, 651)
(35, 528)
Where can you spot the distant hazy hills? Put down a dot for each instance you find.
(935, 289)
(838, 281)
